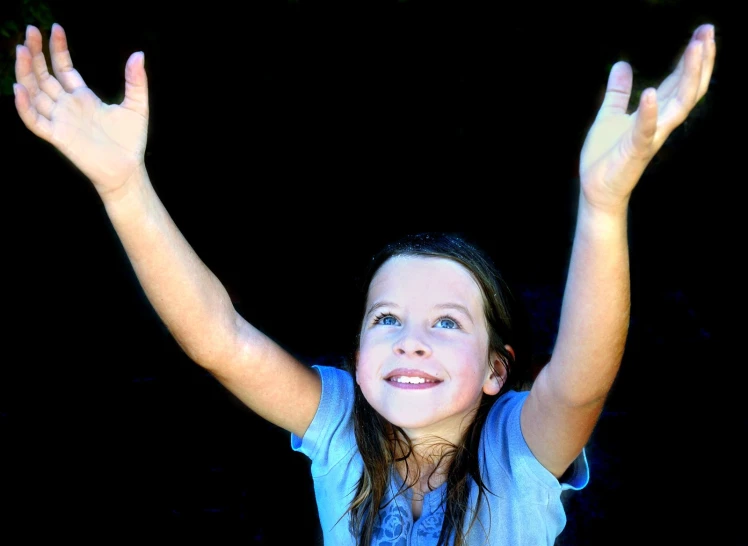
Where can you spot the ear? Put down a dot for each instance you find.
(355, 367)
(495, 381)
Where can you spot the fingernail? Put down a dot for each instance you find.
(15, 89)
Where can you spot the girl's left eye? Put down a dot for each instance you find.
(385, 320)
(446, 322)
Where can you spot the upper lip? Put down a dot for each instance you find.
(410, 372)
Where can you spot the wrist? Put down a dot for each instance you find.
(131, 185)
(132, 199)
(602, 220)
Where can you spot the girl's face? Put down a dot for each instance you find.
(423, 359)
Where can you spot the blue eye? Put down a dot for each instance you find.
(446, 322)
(386, 320)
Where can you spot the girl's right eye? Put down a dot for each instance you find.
(386, 320)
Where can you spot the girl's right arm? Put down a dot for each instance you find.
(196, 308)
(107, 143)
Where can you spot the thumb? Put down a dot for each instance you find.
(618, 90)
(136, 84)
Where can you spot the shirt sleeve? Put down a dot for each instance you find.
(509, 454)
(330, 434)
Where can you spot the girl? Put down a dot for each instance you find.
(429, 437)
(439, 342)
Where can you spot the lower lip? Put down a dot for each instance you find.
(414, 386)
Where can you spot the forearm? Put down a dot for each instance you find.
(595, 310)
(187, 296)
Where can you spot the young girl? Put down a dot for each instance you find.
(430, 437)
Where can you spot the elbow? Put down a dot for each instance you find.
(215, 342)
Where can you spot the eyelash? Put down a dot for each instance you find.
(378, 318)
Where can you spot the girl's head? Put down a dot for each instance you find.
(438, 343)
(439, 318)
(424, 360)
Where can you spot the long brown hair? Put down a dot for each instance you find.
(382, 445)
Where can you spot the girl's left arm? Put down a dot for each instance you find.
(568, 395)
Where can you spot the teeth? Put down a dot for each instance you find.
(412, 380)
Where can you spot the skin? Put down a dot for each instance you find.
(107, 143)
(426, 314)
(568, 396)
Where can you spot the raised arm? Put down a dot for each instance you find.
(107, 143)
(568, 395)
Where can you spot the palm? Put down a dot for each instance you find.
(105, 141)
(609, 144)
(100, 139)
(619, 145)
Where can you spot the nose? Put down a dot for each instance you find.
(411, 343)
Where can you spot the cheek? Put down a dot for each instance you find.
(467, 359)
(373, 352)
(473, 373)
(366, 368)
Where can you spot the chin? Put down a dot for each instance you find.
(412, 424)
(416, 423)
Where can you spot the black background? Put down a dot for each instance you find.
(289, 140)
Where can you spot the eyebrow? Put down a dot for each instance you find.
(378, 305)
(456, 306)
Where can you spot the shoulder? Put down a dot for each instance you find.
(331, 429)
(507, 406)
(502, 434)
(337, 391)
(334, 377)
(505, 446)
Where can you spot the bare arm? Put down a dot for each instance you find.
(107, 143)
(569, 394)
(198, 312)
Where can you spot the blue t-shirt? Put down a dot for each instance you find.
(524, 507)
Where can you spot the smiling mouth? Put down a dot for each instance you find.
(404, 378)
(411, 380)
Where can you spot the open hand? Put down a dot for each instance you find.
(619, 146)
(106, 142)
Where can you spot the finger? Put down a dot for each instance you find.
(676, 108)
(645, 124)
(26, 77)
(705, 34)
(62, 64)
(136, 84)
(44, 105)
(710, 53)
(618, 90)
(36, 123)
(691, 80)
(668, 85)
(44, 79)
(25, 72)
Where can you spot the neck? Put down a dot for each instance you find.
(425, 466)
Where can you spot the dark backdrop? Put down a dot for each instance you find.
(288, 140)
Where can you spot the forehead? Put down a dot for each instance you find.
(441, 279)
